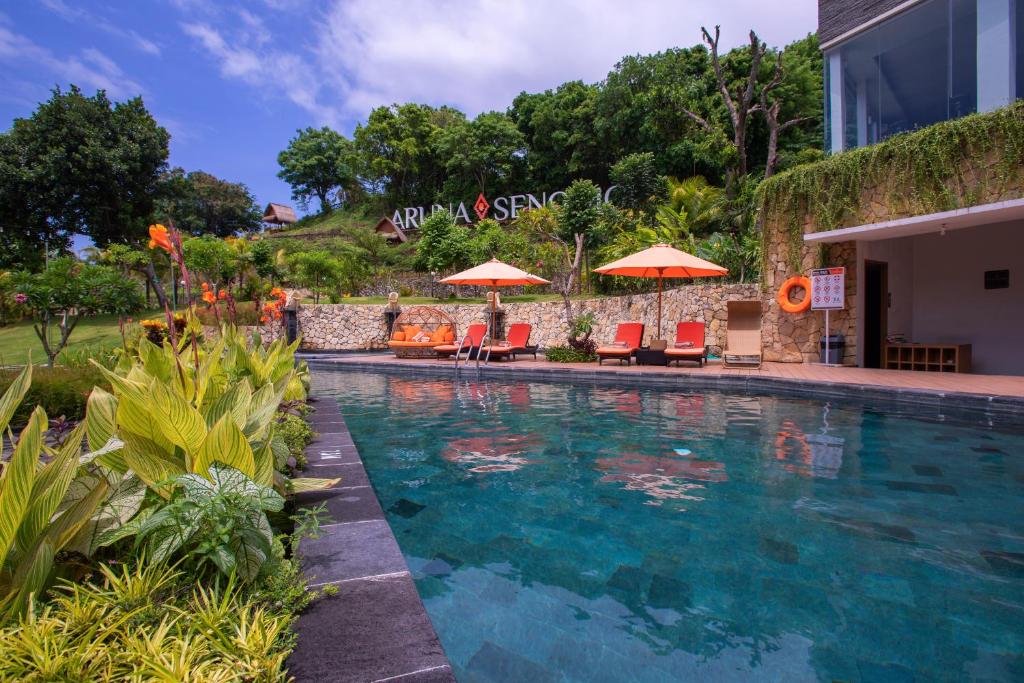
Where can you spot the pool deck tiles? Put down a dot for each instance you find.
(994, 393)
(375, 628)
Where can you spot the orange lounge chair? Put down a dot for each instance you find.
(689, 344)
(518, 342)
(473, 340)
(628, 337)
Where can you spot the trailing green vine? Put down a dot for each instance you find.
(946, 166)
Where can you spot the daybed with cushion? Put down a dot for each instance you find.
(689, 344)
(743, 335)
(628, 337)
(473, 339)
(518, 342)
(418, 330)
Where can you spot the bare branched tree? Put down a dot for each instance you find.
(770, 107)
(740, 104)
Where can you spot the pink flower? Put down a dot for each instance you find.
(21, 298)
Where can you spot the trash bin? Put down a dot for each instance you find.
(836, 349)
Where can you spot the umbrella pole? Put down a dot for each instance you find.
(494, 311)
(659, 307)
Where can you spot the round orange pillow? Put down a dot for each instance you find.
(398, 336)
(450, 337)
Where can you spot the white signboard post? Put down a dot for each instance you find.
(828, 293)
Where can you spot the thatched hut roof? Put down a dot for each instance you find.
(279, 214)
(390, 230)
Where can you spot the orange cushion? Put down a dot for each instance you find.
(398, 336)
(439, 334)
(449, 336)
(411, 331)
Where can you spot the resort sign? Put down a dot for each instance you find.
(500, 209)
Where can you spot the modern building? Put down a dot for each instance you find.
(930, 225)
(892, 66)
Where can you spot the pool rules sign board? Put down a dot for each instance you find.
(828, 289)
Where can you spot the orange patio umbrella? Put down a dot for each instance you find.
(662, 261)
(494, 274)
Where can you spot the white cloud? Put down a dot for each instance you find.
(479, 54)
(90, 69)
(270, 70)
(77, 15)
(474, 54)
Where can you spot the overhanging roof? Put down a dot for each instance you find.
(998, 212)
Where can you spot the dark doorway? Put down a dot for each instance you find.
(876, 311)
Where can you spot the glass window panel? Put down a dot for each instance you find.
(963, 96)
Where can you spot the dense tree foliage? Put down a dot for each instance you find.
(80, 165)
(199, 203)
(316, 163)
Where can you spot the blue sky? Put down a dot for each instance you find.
(232, 81)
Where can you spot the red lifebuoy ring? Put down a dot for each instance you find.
(783, 296)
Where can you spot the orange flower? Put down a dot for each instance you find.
(263, 318)
(276, 291)
(222, 294)
(206, 286)
(209, 297)
(158, 238)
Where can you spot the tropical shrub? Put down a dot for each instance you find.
(219, 521)
(567, 354)
(58, 391)
(296, 434)
(147, 622)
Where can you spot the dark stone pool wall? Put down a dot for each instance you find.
(375, 628)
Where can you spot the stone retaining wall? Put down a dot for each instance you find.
(347, 326)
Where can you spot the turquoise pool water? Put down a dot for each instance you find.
(581, 533)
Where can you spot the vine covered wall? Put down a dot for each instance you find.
(969, 161)
(972, 160)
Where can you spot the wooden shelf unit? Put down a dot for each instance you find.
(928, 357)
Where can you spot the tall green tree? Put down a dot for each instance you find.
(85, 165)
(560, 139)
(397, 151)
(317, 271)
(485, 155)
(202, 204)
(639, 186)
(317, 162)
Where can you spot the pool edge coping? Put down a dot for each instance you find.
(999, 405)
(331, 430)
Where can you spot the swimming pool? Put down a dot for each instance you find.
(585, 533)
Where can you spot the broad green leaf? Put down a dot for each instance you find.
(234, 401)
(113, 513)
(31, 574)
(110, 456)
(68, 523)
(264, 459)
(261, 410)
(179, 421)
(151, 463)
(304, 484)
(197, 488)
(48, 490)
(125, 386)
(250, 549)
(100, 417)
(142, 418)
(18, 477)
(13, 396)
(155, 360)
(280, 450)
(226, 444)
(126, 530)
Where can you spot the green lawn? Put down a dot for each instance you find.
(18, 340)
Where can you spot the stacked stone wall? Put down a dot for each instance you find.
(353, 326)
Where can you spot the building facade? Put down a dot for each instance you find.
(929, 225)
(893, 66)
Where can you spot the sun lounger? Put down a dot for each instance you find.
(743, 335)
(518, 342)
(628, 337)
(472, 341)
(689, 344)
